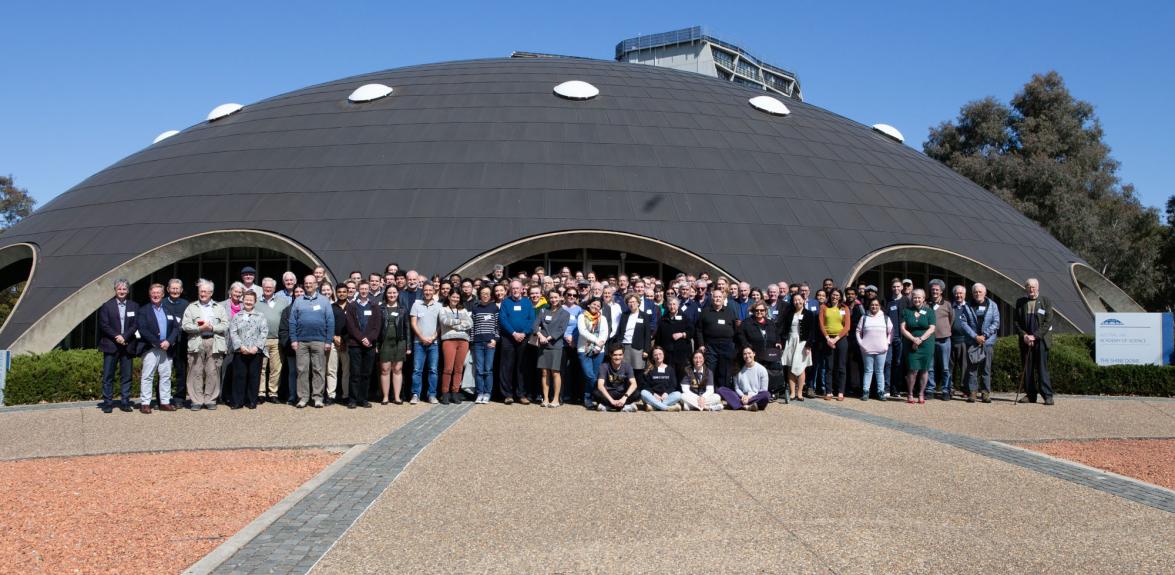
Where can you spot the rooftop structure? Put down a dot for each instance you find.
(691, 49)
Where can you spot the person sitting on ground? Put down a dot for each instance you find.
(751, 385)
(616, 384)
(697, 386)
(661, 393)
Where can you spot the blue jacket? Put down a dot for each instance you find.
(516, 316)
(149, 335)
(309, 324)
(991, 322)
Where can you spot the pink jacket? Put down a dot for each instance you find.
(874, 333)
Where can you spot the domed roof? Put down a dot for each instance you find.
(466, 156)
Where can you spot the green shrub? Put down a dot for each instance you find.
(1074, 371)
(59, 375)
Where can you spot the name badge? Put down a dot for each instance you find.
(649, 311)
(317, 308)
(171, 318)
(677, 317)
(661, 369)
(517, 308)
(271, 303)
(1039, 311)
(366, 312)
(981, 308)
(893, 308)
(640, 320)
(721, 322)
(395, 314)
(130, 314)
(935, 307)
(842, 312)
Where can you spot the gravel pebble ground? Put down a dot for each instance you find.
(1150, 460)
(138, 513)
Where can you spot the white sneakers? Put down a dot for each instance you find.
(482, 398)
(415, 399)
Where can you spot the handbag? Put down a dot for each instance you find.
(773, 355)
(976, 353)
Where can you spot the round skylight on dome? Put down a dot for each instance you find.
(164, 136)
(889, 131)
(369, 92)
(577, 90)
(222, 111)
(770, 105)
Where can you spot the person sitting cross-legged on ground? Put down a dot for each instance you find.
(697, 386)
(661, 393)
(616, 383)
(751, 385)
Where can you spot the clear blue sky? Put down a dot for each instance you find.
(87, 83)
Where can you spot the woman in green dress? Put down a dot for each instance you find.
(918, 328)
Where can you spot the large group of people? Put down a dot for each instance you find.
(621, 343)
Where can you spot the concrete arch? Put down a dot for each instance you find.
(55, 325)
(998, 284)
(18, 263)
(1097, 291)
(592, 239)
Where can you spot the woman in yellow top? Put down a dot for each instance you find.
(834, 326)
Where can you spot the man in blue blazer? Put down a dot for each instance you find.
(116, 327)
(159, 330)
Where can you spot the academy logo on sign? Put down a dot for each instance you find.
(1112, 321)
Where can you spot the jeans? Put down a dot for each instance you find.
(820, 355)
(874, 367)
(483, 366)
(671, 399)
(591, 370)
(123, 361)
(941, 367)
(895, 365)
(979, 374)
(424, 357)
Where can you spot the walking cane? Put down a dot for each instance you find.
(1024, 373)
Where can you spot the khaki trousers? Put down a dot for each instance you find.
(204, 375)
(311, 357)
(270, 383)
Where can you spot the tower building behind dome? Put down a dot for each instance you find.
(692, 50)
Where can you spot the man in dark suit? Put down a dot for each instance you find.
(363, 321)
(175, 304)
(158, 332)
(116, 325)
(1034, 321)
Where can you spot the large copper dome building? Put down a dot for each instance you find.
(466, 164)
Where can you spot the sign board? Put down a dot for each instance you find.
(1132, 338)
(5, 364)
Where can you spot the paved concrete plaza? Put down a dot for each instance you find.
(817, 487)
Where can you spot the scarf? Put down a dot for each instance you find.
(593, 321)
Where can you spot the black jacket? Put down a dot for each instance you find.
(642, 333)
(283, 329)
(679, 348)
(750, 335)
(808, 325)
